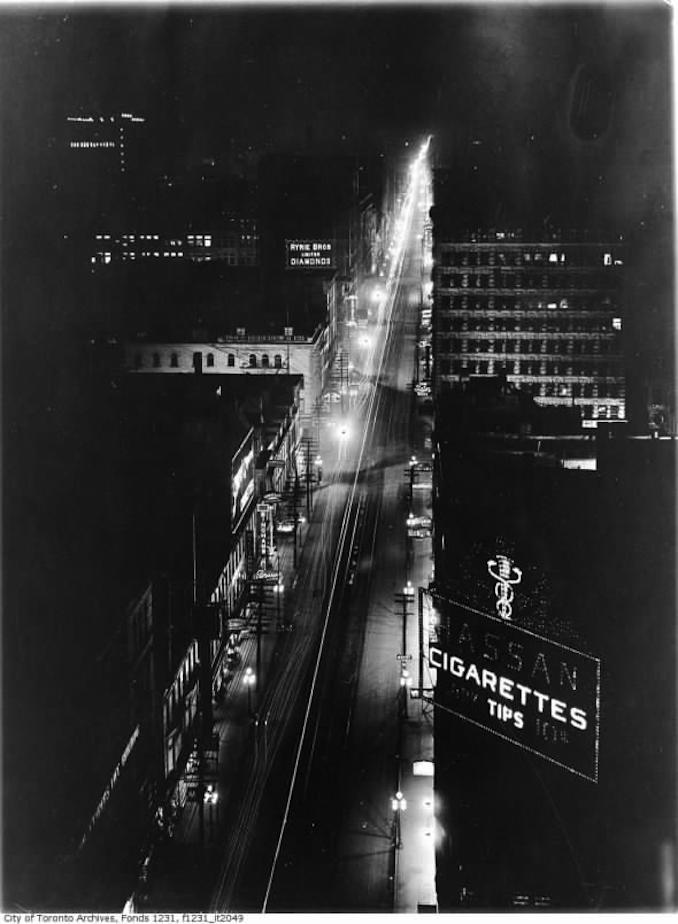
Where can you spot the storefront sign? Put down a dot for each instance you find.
(309, 254)
(534, 692)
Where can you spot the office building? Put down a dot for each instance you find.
(541, 306)
(112, 139)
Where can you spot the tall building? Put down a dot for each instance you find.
(542, 308)
(115, 137)
(541, 572)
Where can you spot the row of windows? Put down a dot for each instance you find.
(578, 257)
(522, 281)
(507, 324)
(230, 258)
(579, 389)
(584, 348)
(93, 144)
(513, 303)
(253, 362)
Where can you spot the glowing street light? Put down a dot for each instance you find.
(405, 679)
(249, 680)
(210, 796)
(398, 805)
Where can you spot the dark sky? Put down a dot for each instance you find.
(570, 104)
(535, 79)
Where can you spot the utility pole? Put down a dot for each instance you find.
(421, 642)
(308, 478)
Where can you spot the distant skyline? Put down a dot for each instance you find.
(569, 106)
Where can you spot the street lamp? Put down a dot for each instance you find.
(398, 805)
(211, 796)
(249, 680)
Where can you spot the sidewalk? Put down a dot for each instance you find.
(415, 861)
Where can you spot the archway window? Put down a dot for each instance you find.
(156, 360)
(210, 359)
(253, 360)
(264, 360)
(277, 361)
(174, 361)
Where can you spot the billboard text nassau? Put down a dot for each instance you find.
(534, 692)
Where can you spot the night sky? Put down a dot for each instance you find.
(570, 109)
(569, 106)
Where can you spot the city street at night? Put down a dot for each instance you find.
(340, 460)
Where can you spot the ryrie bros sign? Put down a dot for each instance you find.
(309, 254)
(534, 692)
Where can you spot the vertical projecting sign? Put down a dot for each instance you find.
(534, 692)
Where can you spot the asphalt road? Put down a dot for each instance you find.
(337, 852)
(329, 717)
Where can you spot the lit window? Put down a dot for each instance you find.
(607, 259)
(617, 323)
(553, 258)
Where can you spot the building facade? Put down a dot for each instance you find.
(113, 137)
(543, 310)
(308, 356)
(235, 244)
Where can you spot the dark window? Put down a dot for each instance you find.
(156, 360)
(138, 361)
(264, 360)
(231, 359)
(210, 359)
(253, 360)
(174, 360)
(277, 361)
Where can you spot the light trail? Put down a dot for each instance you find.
(392, 287)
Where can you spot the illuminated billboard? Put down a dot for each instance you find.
(242, 480)
(529, 690)
(308, 254)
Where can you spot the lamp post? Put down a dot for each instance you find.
(413, 466)
(407, 597)
(398, 805)
(405, 684)
(249, 680)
